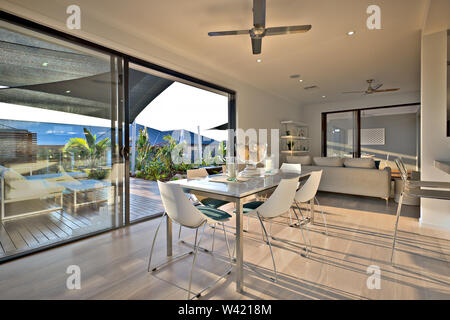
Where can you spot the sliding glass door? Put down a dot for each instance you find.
(383, 133)
(341, 136)
(175, 125)
(61, 139)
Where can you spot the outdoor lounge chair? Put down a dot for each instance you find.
(16, 188)
(79, 188)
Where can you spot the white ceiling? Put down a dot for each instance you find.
(324, 56)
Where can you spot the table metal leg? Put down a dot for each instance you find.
(239, 247)
(169, 235)
(311, 203)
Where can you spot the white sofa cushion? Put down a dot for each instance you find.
(357, 181)
(328, 161)
(366, 163)
(304, 160)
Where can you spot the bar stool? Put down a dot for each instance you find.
(413, 188)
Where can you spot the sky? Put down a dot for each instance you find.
(181, 106)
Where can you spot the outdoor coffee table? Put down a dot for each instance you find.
(238, 193)
(83, 186)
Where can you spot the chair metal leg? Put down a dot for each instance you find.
(214, 233)
(303, 234)
(306, 226)
(179, 233)
(323, 216)
(270, 247)
(195, 252)
(226, 241)
(399, 209)
(270, 228)
(195, 256)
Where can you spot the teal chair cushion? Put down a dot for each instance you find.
(213, 203)
(215, 214)
(250, 206)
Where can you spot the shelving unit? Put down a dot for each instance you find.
(297, 135)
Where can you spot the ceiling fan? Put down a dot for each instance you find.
(373, 89)
(259, 29)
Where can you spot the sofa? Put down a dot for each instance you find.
(356, 176)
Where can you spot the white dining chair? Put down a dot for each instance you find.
(292, 168)
(278, 203)
(307, 193)
(197, 199)
(180, 210)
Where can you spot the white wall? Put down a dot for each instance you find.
(255, 108)
(435, 143)
(312, 114)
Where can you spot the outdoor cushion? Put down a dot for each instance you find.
(10, 175)
(215, 214)
(328, 161)
(24, 189)
(213, 203)
(367, 163)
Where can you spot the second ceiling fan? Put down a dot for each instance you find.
(373, 88)
(259, 29)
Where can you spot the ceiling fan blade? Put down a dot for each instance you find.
(387, 90)
(378, 86)
(256, 45)
(228, 33)
(354, 92)
(259, 13)
(286, 30)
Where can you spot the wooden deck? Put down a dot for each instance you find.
(144, 199)
(20, 235)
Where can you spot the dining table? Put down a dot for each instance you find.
(238, 192)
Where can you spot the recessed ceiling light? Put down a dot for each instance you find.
(44, 64)
(258, 60)
(350, 33)
(301, 80)
(324, 96)
(67, 91)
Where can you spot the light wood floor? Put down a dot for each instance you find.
(113, 265)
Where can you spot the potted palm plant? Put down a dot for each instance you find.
(90, 149)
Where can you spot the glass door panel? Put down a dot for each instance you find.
(166, 115)
(341, 136)
(60, 166)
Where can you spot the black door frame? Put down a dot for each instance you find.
(357, 114)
